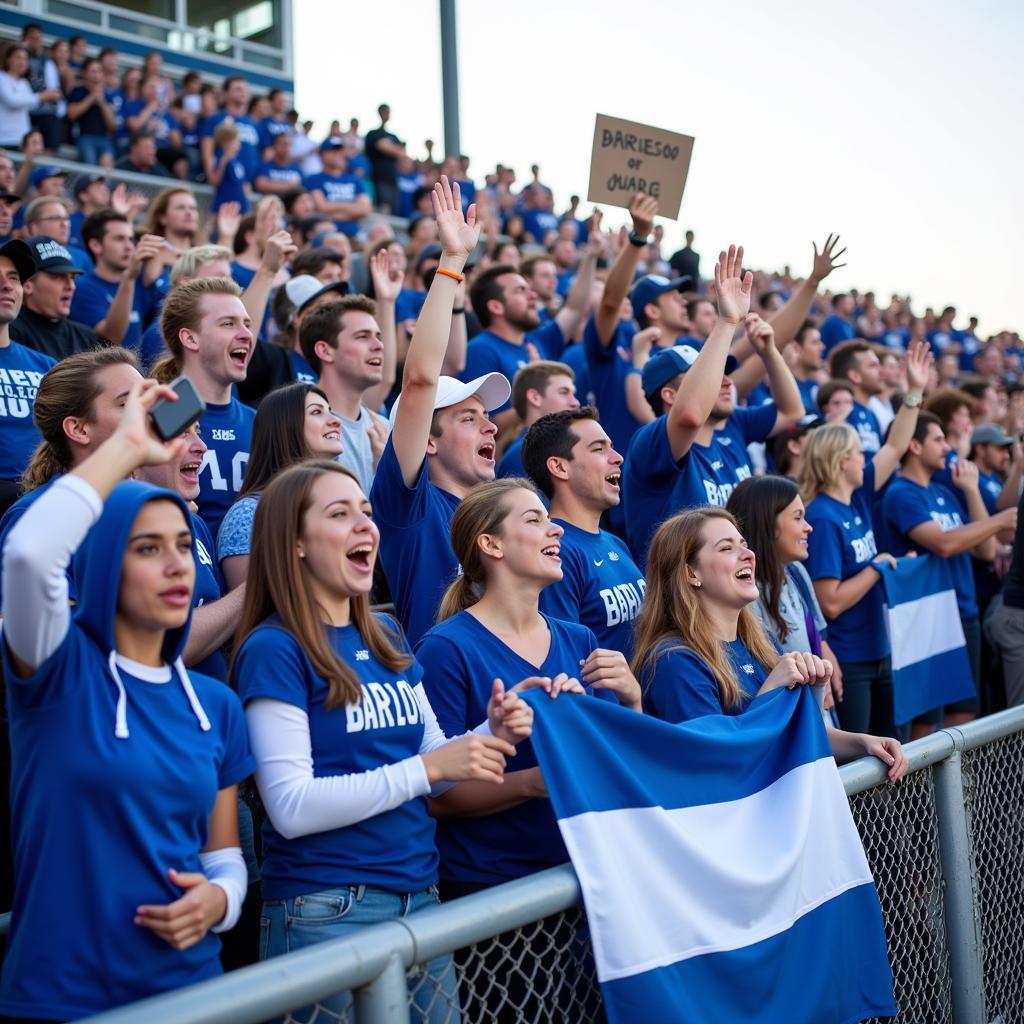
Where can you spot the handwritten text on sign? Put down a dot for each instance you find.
(628, 158)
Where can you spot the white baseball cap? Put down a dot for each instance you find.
(493, 389)
(303, 289)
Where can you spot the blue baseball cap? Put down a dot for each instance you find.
(670, 362)
(648, 288)
(331, 143)
(40, 174)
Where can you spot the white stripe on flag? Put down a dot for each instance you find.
(663, 886)
(924, 628)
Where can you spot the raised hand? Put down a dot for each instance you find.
(458, 234)
(643, 342)
(760, 333)
(597, 244)
(643, 209)
(965, 474)
(385, 287)
(134, 432)
(825, 261)
(268, 218)
(278, 249)
(378, 435)
(229, 216)
(918, 363)
(145, 249)
(732, 286)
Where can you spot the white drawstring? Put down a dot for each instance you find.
(121, 718)
(197, 708)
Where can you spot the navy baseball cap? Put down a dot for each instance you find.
(50, 256)
(21, 256)
(648, 288)
(40, 174)
(83, 181)
(332, 143)
(670, 362)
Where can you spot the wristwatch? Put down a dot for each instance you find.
(912, 401)
(638, 240)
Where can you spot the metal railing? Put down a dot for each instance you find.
(946, 848)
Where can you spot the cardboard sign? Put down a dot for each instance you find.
(630, 158)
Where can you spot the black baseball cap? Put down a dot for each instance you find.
(83, 181)
(21, 256)
(50, 256)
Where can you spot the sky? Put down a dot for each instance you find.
(894, 124)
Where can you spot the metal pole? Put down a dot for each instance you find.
(962, 930)
(450, 79)
(386, 999)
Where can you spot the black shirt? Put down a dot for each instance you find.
(1013, 585)
(686, 263)
(56, 338)
(385, 168)
(92, 121)
(157, 170)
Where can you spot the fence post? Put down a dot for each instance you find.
(965, 962)
(386, 999)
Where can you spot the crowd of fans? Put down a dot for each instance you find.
(586, 463)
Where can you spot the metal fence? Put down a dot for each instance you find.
(946, 848)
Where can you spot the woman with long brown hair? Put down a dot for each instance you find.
(327, 682)
(174, 215)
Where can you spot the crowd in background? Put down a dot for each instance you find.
(589, 461)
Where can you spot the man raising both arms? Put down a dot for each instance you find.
(442, 441)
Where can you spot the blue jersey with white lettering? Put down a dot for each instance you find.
(842, 544)
(208, 588)
(338, 188)
(865, 422)
(301, 370)
(678, 684)
(907, 504)
(21, 370)
(248, 134)
(92, 301)
(231, 188)
(415, 541)
(487, 353)
(460, 659)
(227, 431)
(602, 587)
(393, 850)
(270, 127)
(289, 174)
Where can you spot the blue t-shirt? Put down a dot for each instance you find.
(301, 370)
(248, 133)
(809, 395)
(92, 300)
(269, 128)
(227, 429)
(339, 188)
(100, 820)
(487, 353)
(415, 541)
(461, 658)
(865, 422)
(152, 346)
(21, 370)
(991, 487)
(231, 188)
(290, 174)
(836, 330)
(159, 125)
(209, 588)
(940, 340)
(842, 544)
(969, 345)
(575, 357)
(394, 850)
(538, 223)
(678, 685)
(408, 185)
(408, 304)
(907, 504)
(608, 372)
(512, 461)
(602, 587)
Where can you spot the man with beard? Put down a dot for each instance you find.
(857, 363)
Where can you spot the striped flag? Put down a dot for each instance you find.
(722, 874)
(930, 667)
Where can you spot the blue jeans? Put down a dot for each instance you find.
(288, 925)
(91, 147)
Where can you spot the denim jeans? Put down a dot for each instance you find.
(91, 147)
(288, 925)
(867, 698)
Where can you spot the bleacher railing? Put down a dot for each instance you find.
(946, 848)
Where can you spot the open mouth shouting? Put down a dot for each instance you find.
(552, 551)
(613, 479)
(189, 472)
(239, 356)
(746, 574)
(486, 452)
(361, 557)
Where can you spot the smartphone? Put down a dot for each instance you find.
(173, 418)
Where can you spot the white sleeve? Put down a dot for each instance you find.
(299, 804)
(37, 553)
(434, 737)
(226, 868)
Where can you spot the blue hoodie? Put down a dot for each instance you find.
(115, 770)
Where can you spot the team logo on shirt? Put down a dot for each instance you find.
(362, 655)
(748, 669)
(940, 501)
(724, 441)
(856, 520)
(598, 562)
(717, 465)
(220, 434)
(613, 556)
(846, 525)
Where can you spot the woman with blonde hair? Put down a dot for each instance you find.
(326, 682)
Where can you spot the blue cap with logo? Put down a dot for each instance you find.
(648, 288)
(670, 362)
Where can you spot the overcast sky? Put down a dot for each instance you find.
(895, 124)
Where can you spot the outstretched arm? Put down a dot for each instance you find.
(887, 458)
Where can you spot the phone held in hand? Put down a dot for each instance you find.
(173, 418)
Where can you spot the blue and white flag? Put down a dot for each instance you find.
(723, 877)
(930, 667)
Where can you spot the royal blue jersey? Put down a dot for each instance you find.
(209, 587)
(836, 330)
(92, 301)
(408, 304)
(301, 370)
(248, 134)
(487, 353)
(907, 504)
(575, 358)
(231, 188)
(809, 395)
(269, 128)
(538, 223)
(842, 544)
(159, 124)
(511, 463)
(678, 684)
(415, 541)
(290, 174)
(339, 188)
(152, 347)
(21, 370)
(602, 587)
(227, 431)
(460, 659)
(394, 850)
(865, 422)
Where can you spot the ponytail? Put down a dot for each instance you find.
(460, 595)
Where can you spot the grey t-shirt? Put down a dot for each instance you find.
(791, 607)
(357, 455)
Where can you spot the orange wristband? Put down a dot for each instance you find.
(450, 273)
